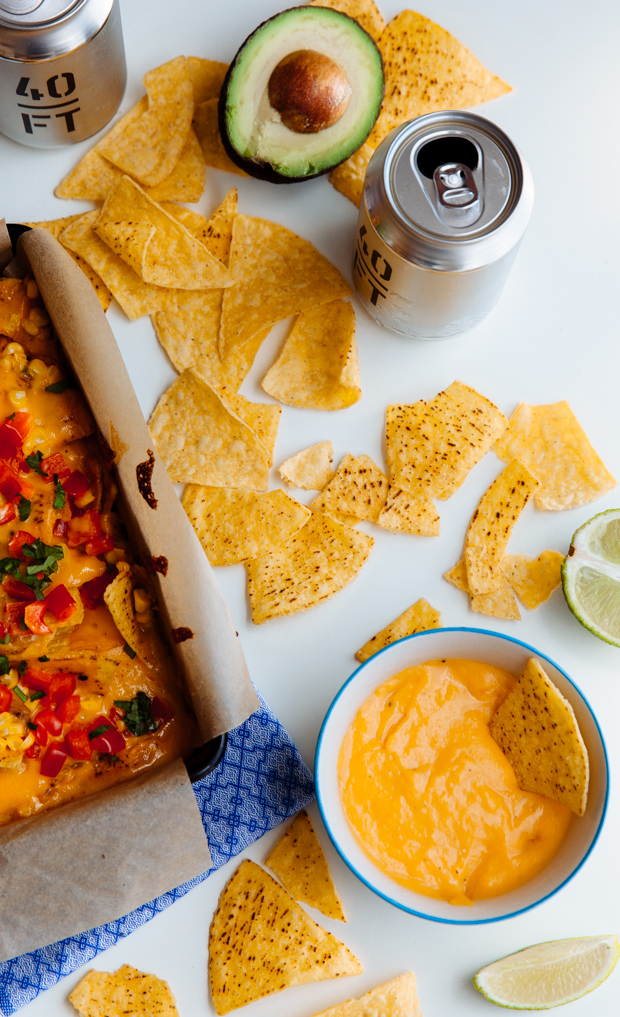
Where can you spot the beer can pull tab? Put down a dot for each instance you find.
(457, 200)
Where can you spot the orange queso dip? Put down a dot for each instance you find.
(431, 797)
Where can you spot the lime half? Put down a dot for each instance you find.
(549, 974)
(591, 575)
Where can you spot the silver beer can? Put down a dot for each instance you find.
(62, 69)
(446, 202)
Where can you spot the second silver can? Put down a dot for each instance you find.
(446, 201)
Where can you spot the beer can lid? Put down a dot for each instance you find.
(31, 13)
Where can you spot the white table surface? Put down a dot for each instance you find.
(553, 336)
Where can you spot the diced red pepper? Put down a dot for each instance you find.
(22, 422)
(33, 752)
(62, 686)
(13, 614)
(100, 546)
(37, 679)
(60, 529)
(53, 760)
(2, 631)
(78, 743)
(17, 542)
(68, 709)
(33, 616)
(60, 602)
(41, 736)
(110, 741)
(116, 715)
(49, 721)
(92, 592)
(6, 698)
(10, 486)
(84, 528)
(55, 464)
(18, 590)
(160, 710)
(7, 513)
(10, 440)
(76, 484)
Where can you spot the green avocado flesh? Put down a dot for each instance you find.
(255, 130)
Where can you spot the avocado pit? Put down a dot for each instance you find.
(309, 91)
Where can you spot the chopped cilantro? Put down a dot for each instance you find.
(114, 759)
(38, 575)
(59, 493)
(22, 622)
(24, 509)
(43, 659)
(98, 731)
(36, 695)
(34, 462)
(20, 693)
(138, 716)
(129, 651)
(6, 639)
(5, 666)
(110, 568)
(22, 667)
(29, 724)
(57, 387)
(11, 417)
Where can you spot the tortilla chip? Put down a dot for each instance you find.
(56, 227)
(318, 367)
(202, 441)
(207, 78)
(491, 525)
(348, 178)
(206, 126)
(533, 579)
(321, 559)
(234, 526)
(301, 866)
(551, 443)
(432, 446)
(404, 513)
(537, 729)
(126, 993)
(150, 146)
(94, 175)
(192, 221)
(136, 297)
(428, 69)
(157, 246)
(284, 274)
(119, 600)
(263, 418)
(417, 618)
(397, 998)
(217, 232)
(311, 468)
(261, 941)
(359, 489)
(186, 180)
(499, 604)
(365, 12)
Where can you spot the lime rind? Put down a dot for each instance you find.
(541, 974)
(591, 576)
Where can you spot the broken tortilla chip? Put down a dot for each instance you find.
(538, 732)
(207, 78)
(261, 941)
(125, 993)
(95, 175)
(157, 246)
(202, 441)
(428, 69)
(348, 178)
(365, 12)
(216, 234)
(318, 561)
(359, 489)
(318, 367)
(397, 998)
(263, 418)
(148, 148)
(206, 126)
(491, 525)
(56, 227)
(300, 864)
(432, 446)
(186, 180)
(119, 600)
(234, 526)
(310, 469)
(404, 513)
(551, 443)
(417, 618)
(533, 579)
(284, 273)
(499, 604)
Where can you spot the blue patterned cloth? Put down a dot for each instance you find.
(261, 781)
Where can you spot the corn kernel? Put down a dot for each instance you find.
(85, 499)
(17, 397)
(28, 741)
(38, 371)
(144, 617)
(32, 290)
(39, 317)
(30, 327)
(141, 600)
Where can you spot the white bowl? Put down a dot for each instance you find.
(470, 644)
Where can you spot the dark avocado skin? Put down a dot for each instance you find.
(263, 170)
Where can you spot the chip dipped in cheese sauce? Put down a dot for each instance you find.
(430, 796)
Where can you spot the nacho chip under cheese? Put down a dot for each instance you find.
(491, 525)
(202, 441)
(537, 729)
(284, 273)
(261, 942)
(318, 366)
(359, 489)
(417, 618)
(552, 444)
(406, 513)
(300, 864)
(501, 603)
(234, 526)
(311, 468)
(318, 561)
(125, 993)
(397, 998)
(533, 579)
(119, 600)
(365, 12)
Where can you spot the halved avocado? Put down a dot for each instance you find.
(324, 74)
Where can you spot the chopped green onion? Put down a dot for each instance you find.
(20, 693)
(129, 651)
(57, 387)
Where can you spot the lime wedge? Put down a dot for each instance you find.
(549, 974)
(591, 576)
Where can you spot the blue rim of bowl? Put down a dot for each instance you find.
(397, 904)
